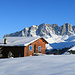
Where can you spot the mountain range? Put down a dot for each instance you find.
(60, 38)
(45, 29)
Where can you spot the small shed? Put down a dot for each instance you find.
(22, 46)
(70, 51)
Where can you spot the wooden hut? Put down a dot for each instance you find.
(22, 46)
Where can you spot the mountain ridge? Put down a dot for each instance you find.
(45, 29)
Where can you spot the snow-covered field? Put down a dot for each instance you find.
(43, 65)
(39, 65)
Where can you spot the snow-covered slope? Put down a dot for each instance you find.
(39, 65)
(73, 49)
(59, 42)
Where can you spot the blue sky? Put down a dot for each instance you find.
(18, 14)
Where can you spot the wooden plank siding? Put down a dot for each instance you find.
(40, 42)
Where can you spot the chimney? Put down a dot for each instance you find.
(5, 41)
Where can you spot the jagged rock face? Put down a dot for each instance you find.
(45, 29)
(66, 29)
(55, 28)
(32, 31)
(73, 28)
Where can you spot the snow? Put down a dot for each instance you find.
(33, 25)
(59, 42)
(73, 49)
(55, 41)
(39, 65)
(18, 41)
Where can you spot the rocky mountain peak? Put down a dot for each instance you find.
(45, 29)
(66, 29)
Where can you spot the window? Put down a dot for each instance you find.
(30, 48)
(39, 48)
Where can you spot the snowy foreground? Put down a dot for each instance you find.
(39, 65)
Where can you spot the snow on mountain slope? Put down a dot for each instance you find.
(59, 42)
(73, 49)
(39, 65)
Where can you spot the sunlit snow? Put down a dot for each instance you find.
(59, 42)
(39, 65)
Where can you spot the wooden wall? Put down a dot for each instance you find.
(40, 42)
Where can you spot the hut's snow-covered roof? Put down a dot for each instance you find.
(73, 49)
(18, 41)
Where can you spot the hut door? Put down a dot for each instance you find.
(34, 48)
